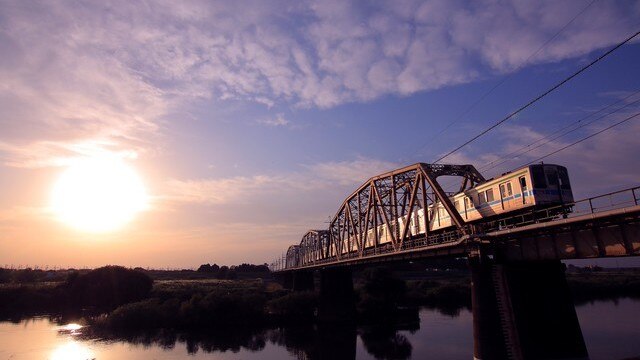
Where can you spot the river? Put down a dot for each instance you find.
(610, 329)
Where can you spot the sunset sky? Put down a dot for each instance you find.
(248, 122)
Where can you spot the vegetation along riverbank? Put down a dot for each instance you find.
(122, 299)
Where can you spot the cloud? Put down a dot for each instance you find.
(58, 153)
(311, 179)
(279, 120)
(111, 72)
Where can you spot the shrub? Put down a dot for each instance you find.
(381, 293)
(299, 306)
(108, 287)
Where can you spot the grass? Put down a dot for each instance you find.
(604, 285)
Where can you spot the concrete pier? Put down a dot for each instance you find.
(337, 303)
(303, 281)
(524, 311)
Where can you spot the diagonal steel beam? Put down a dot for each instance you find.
(443, 198)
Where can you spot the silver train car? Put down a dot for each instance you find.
(519, 191)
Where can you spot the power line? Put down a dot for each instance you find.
(506, 78)
(550, 137)
(539, 97)
(505, 157)
(585, 138)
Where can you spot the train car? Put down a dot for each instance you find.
(531, 187)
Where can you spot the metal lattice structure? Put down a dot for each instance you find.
(388, 199)
(292, 258)
(314, 245)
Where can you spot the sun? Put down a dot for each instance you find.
(98, 194)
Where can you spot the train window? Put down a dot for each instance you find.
(506, 190)
(468, 203)
(552, 175)
(539, 181)
(489, 195)
(481, 198)
(564, 179)
(523, 183)
(456, 204)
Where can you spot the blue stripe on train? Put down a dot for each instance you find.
(515, 196)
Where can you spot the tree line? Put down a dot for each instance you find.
(231, 272)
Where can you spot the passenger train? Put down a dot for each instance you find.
(525, 189)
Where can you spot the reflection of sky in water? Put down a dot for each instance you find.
(71, 328)
(38, 339)
(610, 331)
(71, 350)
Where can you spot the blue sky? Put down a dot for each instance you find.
(251, 121)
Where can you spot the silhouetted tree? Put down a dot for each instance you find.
(204, 268)
(109, 286)
(222, 274)
(5, 275)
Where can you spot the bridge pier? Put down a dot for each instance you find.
(286, 280)
(297, 280)
(488, 341)
(523, 311)
(303, 281)
(337, 301)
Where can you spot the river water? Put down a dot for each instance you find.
(611, 330)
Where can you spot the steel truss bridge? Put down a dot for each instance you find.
(521, 303)
(602, 226)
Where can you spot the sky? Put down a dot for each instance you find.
(249, 122)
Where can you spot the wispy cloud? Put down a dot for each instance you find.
(317, 179)
(278, 120)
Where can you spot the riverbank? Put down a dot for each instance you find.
(381, 296)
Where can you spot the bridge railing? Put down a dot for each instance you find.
(611, 201)
(410, 244)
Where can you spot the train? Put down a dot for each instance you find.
(526, 189)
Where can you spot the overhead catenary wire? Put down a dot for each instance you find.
(550, 137)
(506, 158)
(539, 97)
(506, 78)
(584, 138)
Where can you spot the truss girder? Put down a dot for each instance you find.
(314, 245)
(387, 202)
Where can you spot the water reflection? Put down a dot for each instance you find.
(207, 341)
(72, 329)
(301, 342)
(609, 329)
(386, 343)
(72, 350)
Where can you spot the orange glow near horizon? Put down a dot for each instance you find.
(98, 194)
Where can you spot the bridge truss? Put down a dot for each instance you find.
(387, 200)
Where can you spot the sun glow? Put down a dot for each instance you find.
(98, 194)
(71, 351)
